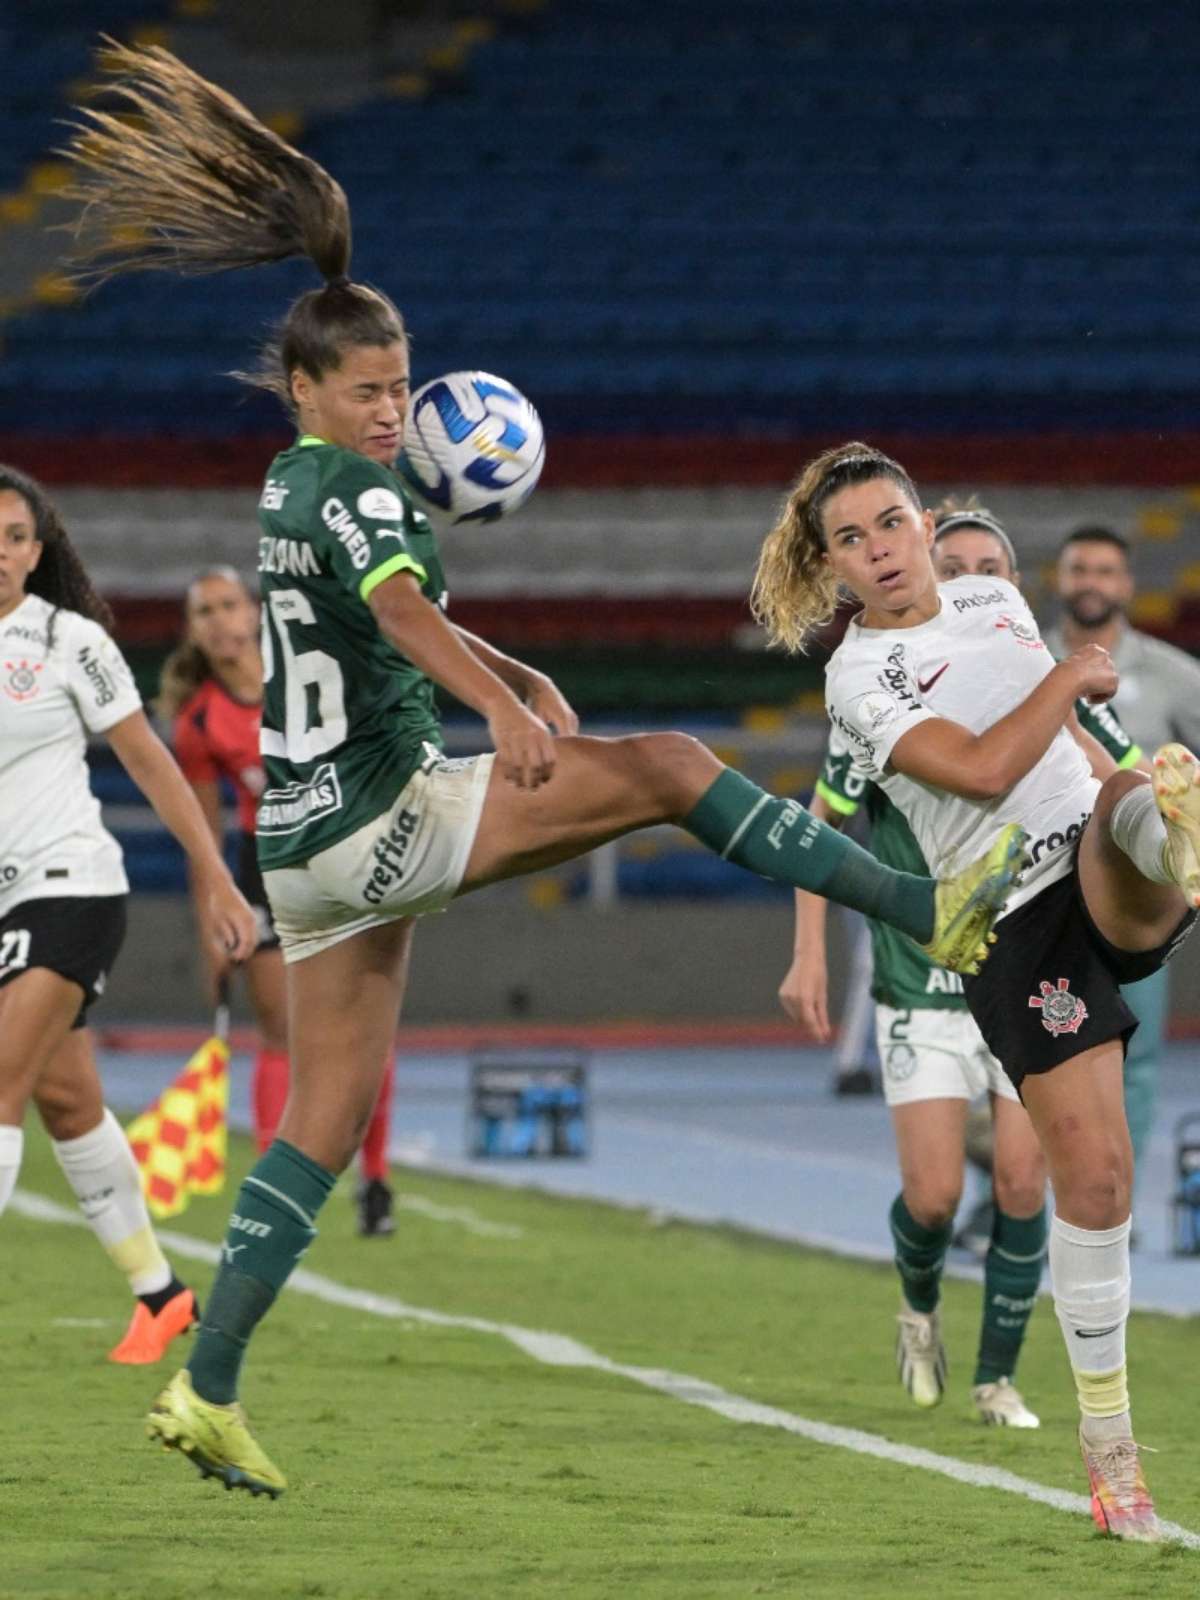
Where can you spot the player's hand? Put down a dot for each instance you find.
(232, 922)
(804, 995)
(524, 745)
(1094, 673)
(546, 700)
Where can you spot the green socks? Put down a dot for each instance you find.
(273, 1225)
(1011, 1275)
(920, 1254)
(779, 839)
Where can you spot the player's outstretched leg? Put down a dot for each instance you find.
(779, 839)
(215, 1438)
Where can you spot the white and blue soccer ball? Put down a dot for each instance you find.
(473, 447)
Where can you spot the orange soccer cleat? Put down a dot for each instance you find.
(147, 1337)
(1121, 1503)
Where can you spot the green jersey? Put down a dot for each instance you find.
(903, 977)
(346, 718)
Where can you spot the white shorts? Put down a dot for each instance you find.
(406, 862)
(929, 1054)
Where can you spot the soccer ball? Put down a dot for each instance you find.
(473, 447)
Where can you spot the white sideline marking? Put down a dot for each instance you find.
(559, 1350)
(462, 1215)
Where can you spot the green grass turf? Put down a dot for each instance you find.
(430, 1462)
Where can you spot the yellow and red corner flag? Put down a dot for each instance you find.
(180, 1141)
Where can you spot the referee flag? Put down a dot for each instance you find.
(180, 1141)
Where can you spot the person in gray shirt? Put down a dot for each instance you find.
(1158, 700)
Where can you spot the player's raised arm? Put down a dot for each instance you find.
(985, 765)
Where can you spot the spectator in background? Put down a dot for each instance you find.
(1157, 700)
(212, 689)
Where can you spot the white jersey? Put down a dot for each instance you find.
(971, 664)
(52, 695)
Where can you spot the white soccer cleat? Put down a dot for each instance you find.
(921, 1355)
(1177, 790)
(1000, 1405)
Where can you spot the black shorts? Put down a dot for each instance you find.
(1050, 988)
(249, 879)
(77, 936)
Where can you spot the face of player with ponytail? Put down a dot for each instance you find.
(878, 542)
(361, 404)
(20, 548)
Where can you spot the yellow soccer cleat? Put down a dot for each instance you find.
(966, 906)
(216, 1439)
(1177, 790)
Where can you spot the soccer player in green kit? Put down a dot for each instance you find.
(364, 825)
(935, 1061)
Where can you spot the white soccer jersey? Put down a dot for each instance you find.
(971, 664)
(52, 695)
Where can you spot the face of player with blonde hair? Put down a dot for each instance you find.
(222, 618)
(878, 543)
(972, 553)
(20, 548)
(362, 404)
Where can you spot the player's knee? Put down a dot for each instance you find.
(1114, 788)
(673, 768)
(1096, 1195)
(1020, 1192)
(932, 1202)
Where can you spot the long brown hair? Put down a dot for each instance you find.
(795, 590)
(187, 666)
(196, 184)
(60, 576)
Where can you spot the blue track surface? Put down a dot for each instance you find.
(748, 1137)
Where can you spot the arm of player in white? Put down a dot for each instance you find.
(152, 767)
(986, 765)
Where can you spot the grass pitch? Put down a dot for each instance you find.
(443, 1462)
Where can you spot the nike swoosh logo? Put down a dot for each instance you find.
(1096, 1333)
(929, 683)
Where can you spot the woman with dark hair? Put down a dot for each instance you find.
(364, 825)
(953, 707)
(212, 689)
(63, 887)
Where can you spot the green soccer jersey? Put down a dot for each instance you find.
(346, 718)
(902, 976)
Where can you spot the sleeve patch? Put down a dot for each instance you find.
(874, 711)
(381, 505)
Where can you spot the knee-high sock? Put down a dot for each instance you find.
(779, 839)
(12, 1147)
(1089, 1270)
(1011, 1274)
(373, 1155)
(920, 1256)
(1137, 828)
(268, 1093)
(105, 1179)
(273, 1225)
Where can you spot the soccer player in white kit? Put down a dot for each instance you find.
(954, 707)
(63, 888)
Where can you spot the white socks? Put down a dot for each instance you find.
(1089, 1271)
(1138, 829)
(101, 1170)
(12, 1146)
